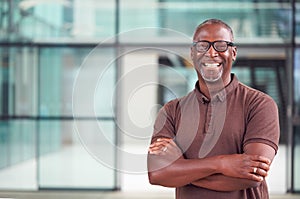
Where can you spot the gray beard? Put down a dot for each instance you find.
(212, 80)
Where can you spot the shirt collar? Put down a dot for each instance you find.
(221, 95)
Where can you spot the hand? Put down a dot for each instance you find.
(252, 167)
(165, 146)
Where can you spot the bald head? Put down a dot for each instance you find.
(213, 21)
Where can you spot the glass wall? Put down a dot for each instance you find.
(62, 62)
(18, 71)
(60, 69)
(258, 21)
(43, 50)
(74, 20)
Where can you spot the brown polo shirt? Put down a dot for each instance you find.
(234, 117)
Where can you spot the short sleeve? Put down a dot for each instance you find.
(164, 125)
(263, 122)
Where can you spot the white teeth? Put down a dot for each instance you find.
(211, 65)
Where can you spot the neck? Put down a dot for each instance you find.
(209, 89)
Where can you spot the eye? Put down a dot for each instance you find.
(221, 46)
(202, 46)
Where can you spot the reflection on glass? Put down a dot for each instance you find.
(64, 70)
(58, 68)
(177, 77)
(44, 21)
(4, 144)
(260, 21)
(243, 74)
(18, 153)
(18, 81)
(67, 158)
(297, 21)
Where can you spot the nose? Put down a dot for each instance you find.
(211, 52)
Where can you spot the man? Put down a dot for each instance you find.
(220, 139)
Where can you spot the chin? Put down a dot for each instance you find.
(211, 79)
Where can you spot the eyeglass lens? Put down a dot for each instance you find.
(203, 46)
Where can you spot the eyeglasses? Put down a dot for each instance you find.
(220, 45)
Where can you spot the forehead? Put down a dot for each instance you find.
(213, 32)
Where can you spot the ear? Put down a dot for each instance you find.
(192, 53)
(234, 53)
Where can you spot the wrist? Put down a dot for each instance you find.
(215, 164)
(220, 164)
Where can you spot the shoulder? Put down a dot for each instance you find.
(253, 95)
(257, 102)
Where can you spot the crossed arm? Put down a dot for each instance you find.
(168, 167)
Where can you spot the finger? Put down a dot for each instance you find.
(254, 177)
(155, 152)
(258, 171)
(159, 151)
(158, 146)
(164, 138)
(168, 149)
(263, 166)
(261, 159)
(159, 143)
(155, 148)
(261, 172)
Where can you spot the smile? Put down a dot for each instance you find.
(212, 65)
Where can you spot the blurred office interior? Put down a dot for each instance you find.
(81, 82)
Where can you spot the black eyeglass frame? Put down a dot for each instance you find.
(228, 43)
